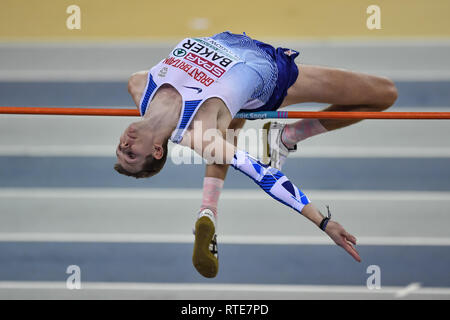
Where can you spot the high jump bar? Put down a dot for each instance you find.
(243, 115)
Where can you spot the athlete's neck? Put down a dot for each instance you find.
(163, 112)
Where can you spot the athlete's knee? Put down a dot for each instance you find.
(236, 124)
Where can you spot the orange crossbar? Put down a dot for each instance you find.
(70, 111)
(287, 114)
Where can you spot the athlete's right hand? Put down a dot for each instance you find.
(342, 238)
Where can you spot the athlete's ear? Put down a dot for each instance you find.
(158, 151)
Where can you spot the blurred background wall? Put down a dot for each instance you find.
(58, 188)
(156, 19)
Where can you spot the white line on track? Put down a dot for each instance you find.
(168, 42)
(74, 75)
(189, 287)
(189, 194)
(306, 152)
(408, 290)
(194, 194)
(223, 239)
(58, 150)
(369, 152)
(100, 73)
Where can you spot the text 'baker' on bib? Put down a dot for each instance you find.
(203, 59)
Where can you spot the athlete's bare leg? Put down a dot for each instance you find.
(344, 90)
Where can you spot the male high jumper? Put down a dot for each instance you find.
(202, 85)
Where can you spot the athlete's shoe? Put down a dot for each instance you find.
(205, 256)
(275, 151)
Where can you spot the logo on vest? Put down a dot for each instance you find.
(179, 52)
(194, 88)
(162, 73)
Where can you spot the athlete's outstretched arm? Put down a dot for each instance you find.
(278, 186)
(272, 181)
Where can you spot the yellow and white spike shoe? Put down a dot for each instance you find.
(205, 255)
(275, 152)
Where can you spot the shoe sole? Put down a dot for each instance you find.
(266, 151)
(204, 261)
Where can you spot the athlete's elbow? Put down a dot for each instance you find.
(212, 154)
(391, 92)
(136, 83)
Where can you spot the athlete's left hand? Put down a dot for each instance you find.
(342, 238)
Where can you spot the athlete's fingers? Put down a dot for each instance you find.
(352, 251)
(350, 238)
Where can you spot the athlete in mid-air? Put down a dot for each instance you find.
(202, 85)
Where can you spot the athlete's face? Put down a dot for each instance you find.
(133, 148)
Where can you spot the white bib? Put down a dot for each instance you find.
(194, 68)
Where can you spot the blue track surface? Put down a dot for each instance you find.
(411, 94)
(254, 264)
(259, 264)
(432, 174)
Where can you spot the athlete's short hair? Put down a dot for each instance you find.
(150, 167)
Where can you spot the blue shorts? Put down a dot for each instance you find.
(276, 68)
(287, 74)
